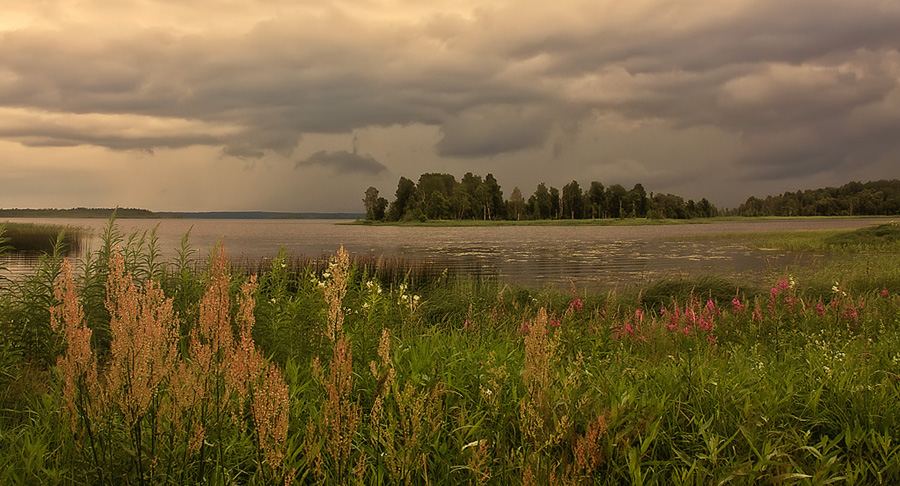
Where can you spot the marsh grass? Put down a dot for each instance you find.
(882, 238)
(336, 374)
(42, 238)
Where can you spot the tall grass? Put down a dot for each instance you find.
(42, 238)
(139, 371)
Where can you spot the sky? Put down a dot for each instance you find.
(299, 106)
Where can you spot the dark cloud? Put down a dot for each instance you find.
(808, 86)
(493, 130)
(345, 162)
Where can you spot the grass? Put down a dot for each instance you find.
(334, 373)
(882, 238)
(41, 238)
(441, 223)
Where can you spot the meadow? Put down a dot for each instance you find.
(122, 368)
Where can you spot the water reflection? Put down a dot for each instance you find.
(588, 256)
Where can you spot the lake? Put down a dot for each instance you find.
(586, 256)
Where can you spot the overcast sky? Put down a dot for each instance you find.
(290, 105)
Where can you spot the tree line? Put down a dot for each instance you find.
(441, 196)
(852, 199)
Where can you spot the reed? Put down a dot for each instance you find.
(41, 238)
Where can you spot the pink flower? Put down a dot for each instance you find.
(736, 305)
(884, 292)
(576, 305)
(524, 328)
(554, 323)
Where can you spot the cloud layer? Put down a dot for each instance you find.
(809, 87)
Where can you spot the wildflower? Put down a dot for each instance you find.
(524, 328)
(884, 292)
(576, 305)
(554, 323)
(736, 305)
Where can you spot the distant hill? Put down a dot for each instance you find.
(132, 213)
(259, 215)
(77, 213)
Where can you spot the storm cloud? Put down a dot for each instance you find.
(345, 162)
(809, 88)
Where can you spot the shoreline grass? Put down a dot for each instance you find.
(41, 238)
(881, 238)
(331, 375)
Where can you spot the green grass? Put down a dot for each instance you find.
(455, 380)
(41, 238)
(539, 222)
(882, 238)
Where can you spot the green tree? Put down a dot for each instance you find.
(493, 197)
(615, 200)
(572, 201)
(404, 201)
(555, 203)
(375, 205)
(540, 202)
(597, 198)
(516, 204)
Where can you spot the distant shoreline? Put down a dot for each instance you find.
(132, 213)
(444, 223)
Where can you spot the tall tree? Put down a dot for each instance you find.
(516, 204)
(555, 203)
(572, 201)
(597, 197)
(615, 200)
(540, 202)
(375, 205)
(404, 199)
(494, 197)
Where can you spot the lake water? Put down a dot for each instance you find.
(588, 256)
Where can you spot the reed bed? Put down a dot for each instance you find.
(41, 238)
(193, 371)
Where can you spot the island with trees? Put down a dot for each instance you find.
(439, 196)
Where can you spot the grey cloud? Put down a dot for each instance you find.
(494, 130)
(493, 82)
(343, 161)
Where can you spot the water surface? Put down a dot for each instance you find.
(587, 256)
